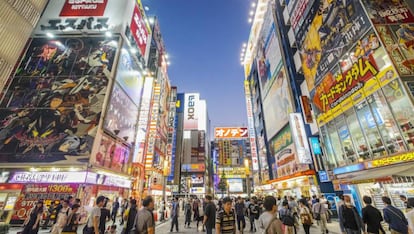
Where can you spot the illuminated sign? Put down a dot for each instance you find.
(300, 139)
(232, 172)
(191, 111)
(232, 132)
(323, 176)
(152, 131)
(139, 28)
(119, 182)
(197, 190)
(315, 145)
(347, 169)
(390, 160)
(195, 167)
(235, 185)
(48, 177)
(250, 121)
(306, 107)
(83, 8)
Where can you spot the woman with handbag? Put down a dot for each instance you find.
(32, 222)
(305, 215)
(72, 221)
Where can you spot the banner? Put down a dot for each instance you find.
(139, 29)
(83, 8)
(55, 99)
(191, 110)
(231, 132)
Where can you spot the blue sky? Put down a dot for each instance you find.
(203, 39)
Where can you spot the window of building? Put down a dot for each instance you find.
(339, 159)
(329, 155)
(358, 137)
(350, 155)
(402, 109)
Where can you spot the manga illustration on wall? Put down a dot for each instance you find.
(53, 104)
(111, 154)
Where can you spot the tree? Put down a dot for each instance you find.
(222, 185)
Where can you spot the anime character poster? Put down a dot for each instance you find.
(111, 154)
(121, 116)
(53, 105)
(389, 11)
(335, 28)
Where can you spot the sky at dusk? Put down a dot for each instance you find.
(203, 39)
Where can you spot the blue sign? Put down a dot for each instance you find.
(347, 169)
(323, 176)
(316, 147)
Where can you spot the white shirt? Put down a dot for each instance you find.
(410, 218)
(264, 220)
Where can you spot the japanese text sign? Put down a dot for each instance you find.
(84, 8)
(139, 30)
(235, 132)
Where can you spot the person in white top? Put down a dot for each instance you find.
(319, 211)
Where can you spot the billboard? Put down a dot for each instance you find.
(250, 122)
(121, 115)
(83, 8)
(139, 29)
(389, 11)
(191, 111)
(110, 154)
(230, 132)
(53, 105)
(333, 30)
(151, 157)
(277, 104)
(194, 167)
(268, 56)
(300, 138)
(235, 185)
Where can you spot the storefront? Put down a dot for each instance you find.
(301, 184)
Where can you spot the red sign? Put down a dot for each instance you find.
(139, 29)
(84, 8)
(236, 132)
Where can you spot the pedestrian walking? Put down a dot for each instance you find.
(287, 218)
(394, 217)
(240, 211)
(115, 208)
(253, 211)
(144, 220)
(61, 218)
(175, 208)
(209, 215)
(71, 226)
(268, 222)
(350, 221)
(371, 217)
(410, 214)
(305, 215)
(105, 216)
(32, 222)
(187, 214)
(129, 216)
(319, 211)
(226, 221)
(124, 207)
(92, 225)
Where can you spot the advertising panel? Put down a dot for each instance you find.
(111, 154)
(143, 121)
(283, 149)
(235, 185)
(49, 177)
(232, 152)
(357, 76)
(129, 75)
(277, 104)
(230, 132)
(139, 28)
(232, 172)
(334, 29)
(83, 8)
(121, 115)
(389, 11)
(32, 193)
(76, 16)
(53, 105)
(250, 122)
(191, 111)
(152, 159)
(268, 50)
(300, 138)
(194, 167)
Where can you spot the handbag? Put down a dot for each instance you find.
(306, 218)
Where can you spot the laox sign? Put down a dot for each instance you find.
(191, 107)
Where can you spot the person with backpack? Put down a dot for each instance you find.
(226, 220)
(286, 216)
(254, 214)
(305, 215)
(129, 216)
(350, 221)
(394, 217)
(320, 211)
(144, 220)
(268, 221)
(240, 210)
(371, 216)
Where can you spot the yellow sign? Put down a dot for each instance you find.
(390, 160)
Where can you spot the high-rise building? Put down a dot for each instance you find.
(18, 18)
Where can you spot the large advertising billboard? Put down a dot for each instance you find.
(300, 138)
(110, 154)
(250, 122)
(334, 29)
(230, 132)
(268, 50)
(277, 103)
(139, 29)
(53, 105)
(191, 111)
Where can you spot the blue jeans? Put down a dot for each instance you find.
(209, 230)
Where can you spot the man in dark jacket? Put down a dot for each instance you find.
(394, 217)
(371, 216)
(209, 215)
(240, 211)
(130, 216)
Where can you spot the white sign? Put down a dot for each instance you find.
(48, 177)
(197, 190)
(118, 182)
(300, 138)
(191, 111)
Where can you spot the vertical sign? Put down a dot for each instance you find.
(139, 28)
(299, 137)
(191, 111)
(252, 135)
(152, 131)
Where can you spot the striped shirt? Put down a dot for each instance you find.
(227, 222)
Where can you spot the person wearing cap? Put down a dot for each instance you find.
(226, 221)
(32, 222)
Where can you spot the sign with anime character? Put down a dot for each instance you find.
(388, 11)
(334, 29)
(111, 154)
(52, 107)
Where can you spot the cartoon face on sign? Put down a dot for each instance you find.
(53, 105)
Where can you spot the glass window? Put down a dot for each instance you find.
(402, 108)
(357, 134)
(386, 124)
(336, 144)
(369, 127)
(330, 159)
(345, 137)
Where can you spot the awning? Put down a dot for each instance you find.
(404, 169)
